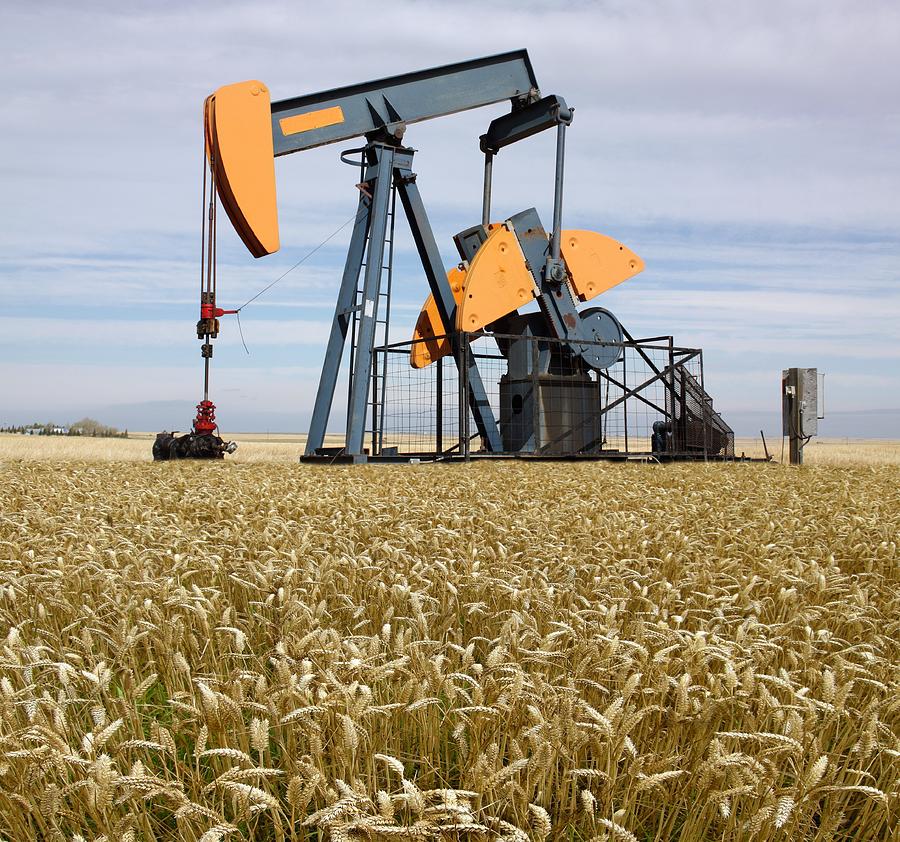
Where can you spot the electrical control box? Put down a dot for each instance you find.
(800, 402)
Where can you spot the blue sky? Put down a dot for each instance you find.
(747, 151)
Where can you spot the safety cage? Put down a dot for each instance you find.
(649, 403)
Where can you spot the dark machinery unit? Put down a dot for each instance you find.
(548, 396)
(548, 409)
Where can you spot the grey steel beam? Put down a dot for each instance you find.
(426, 245)
(555, 270)
(391, 103)
(365, 337)
(620, 400)
(339, 326)
(486, 197)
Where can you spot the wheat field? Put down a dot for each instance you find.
(211, 651)
(286, 448)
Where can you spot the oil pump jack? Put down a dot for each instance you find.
(504, 265)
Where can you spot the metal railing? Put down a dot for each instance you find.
(547, 403)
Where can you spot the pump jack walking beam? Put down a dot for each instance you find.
(245, 131)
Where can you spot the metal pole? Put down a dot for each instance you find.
(203, 226)
(387, 317)
(558, 190)
(604, 401)
(790, 407)
(796, 440)
(376, 450)
(466, 351)
(210, 271)
(461, 396)
(433, 265)
(796, 451)
(624, 399)
(439, 407)
(488, 174)
(536, 407)
(706, 423)
(354, 321)
(354, 324)
(671, 402)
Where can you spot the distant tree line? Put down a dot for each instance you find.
(84, 427)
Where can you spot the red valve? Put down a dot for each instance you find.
(210, 311)
(205, 422)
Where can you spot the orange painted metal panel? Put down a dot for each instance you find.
(311, 120)
(239, 143)
(498, 282)
(429, 326)
(596, 262)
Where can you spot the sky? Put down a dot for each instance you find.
(746, 150)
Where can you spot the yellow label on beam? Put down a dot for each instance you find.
(311, 120)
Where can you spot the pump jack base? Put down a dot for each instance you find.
(337, 456)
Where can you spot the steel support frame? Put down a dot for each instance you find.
(608, 378)
(388, 164)
(676, 438)
(340, 325)
(637, 345)
(707, 406)
(628, 393)
(683, 355)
